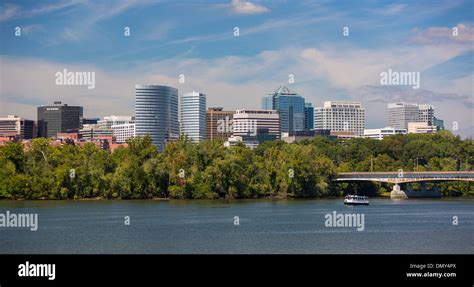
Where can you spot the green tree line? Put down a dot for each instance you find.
(208, 170)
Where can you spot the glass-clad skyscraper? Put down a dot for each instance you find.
(193, 116)
(156, 113)
(289, 105)
(308, 116)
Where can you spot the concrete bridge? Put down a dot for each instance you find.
(400, 177)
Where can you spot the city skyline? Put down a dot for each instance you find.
(149, 128)
(276, 41)
(188, 112)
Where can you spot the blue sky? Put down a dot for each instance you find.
(277, 38)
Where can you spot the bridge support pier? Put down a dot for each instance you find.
(424, 193)
(397, 192)
(435, 192)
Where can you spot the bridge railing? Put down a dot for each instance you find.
(428, 174)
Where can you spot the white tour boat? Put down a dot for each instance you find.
(356, 200)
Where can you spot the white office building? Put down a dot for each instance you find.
(123, 132)
(252, 122)
(381, 133)
(400, 114)
(193, 116)
(340, 116)
(108, 122)
(234, 140)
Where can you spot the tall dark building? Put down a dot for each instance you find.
(308, 116)
(58, 118)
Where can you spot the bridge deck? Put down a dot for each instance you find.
(406, 176)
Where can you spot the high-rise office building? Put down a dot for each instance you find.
(252, 127)
(340, 116)
(123, 132)
(193, 116)
(254, 122)
(289, 105)
(218, 123)
(59, 118)
(400, 114)
(156, 113)
(308, 116)
(14, 126)
(426, 114)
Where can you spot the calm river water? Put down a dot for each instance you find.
(265, 226)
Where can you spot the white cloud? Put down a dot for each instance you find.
(48, 8)
(437, 35)
(159, 31)
(245, 7)
(70, 35)
(27, 83)
(352, 68)
(30, 29)
(389, 10)
(323, 73)
(94, 12)
(464, 85)
(8, 11)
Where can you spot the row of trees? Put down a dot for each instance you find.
(209, 170)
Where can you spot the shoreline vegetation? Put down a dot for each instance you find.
(208, 170)
(161, 199)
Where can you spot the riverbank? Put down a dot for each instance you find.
(385, 195)
(208, 170)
